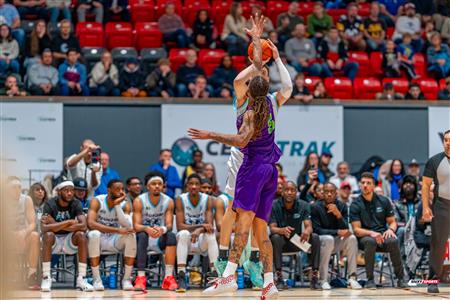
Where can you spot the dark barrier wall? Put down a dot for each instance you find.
(130, 134)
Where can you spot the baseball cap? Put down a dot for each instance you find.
(80, 184)
(413, 162)
(132, 60)
(410, 5)
(345, 184)
(327, 153)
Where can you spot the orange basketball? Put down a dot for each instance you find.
(266, 51)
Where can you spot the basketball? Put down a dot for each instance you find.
(266, 51)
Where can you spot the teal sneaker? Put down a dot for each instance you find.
(255, 271)
(220, 266)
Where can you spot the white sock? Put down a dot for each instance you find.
(182, 269)
(169, 271)
(127, 273)
(31, 271)
(268, 278)
(96, 272)
(230, 269)
(82, 269)
(141, 273)
(46, 269)
(224, 247)
(255, 248)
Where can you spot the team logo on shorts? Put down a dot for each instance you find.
(182, 151)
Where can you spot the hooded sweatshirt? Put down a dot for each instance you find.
(131, 78)
(76, 73)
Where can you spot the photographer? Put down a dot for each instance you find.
(86, 165)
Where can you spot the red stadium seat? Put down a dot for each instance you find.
(275, 8)
(219, 11)
(339, 88)
(401, 85)
(305, 8)
(119, 35)
(366, 88)
(336, 13)
(160, 8)
(190, 11)
(142, 12)
(310, 82)
(389, 32)
(364, 9)
(247, 7)
(376, 61)
(420, 65)
(363, 60)
(210, 59)
(177, 57)
(239, 62)
(147, 36)
(442, 84)
(90, 34)
(429, 88)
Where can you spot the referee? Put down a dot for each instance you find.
(437, 170)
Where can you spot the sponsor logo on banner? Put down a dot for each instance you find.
(182, 151)
(438, 123)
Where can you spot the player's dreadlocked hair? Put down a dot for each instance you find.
(258, 89)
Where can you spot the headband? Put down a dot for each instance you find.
(64, 184)
(155, 178)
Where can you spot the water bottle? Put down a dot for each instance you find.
(186, 277)
(240, 278)
(113, 277)
(105, 281)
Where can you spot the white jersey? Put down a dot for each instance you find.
(194, 214)
(105, 215)
(154, 215)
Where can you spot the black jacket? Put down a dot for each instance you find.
(131, 79)
(204, 28)
(327, 223)
(323, 49)
(222, 75)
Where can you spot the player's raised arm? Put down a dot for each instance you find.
(285, 92)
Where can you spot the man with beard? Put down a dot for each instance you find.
(134, 189)
(111, 230)
(64, 231)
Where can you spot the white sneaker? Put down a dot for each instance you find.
(221, 285)
(269, 292)
(353, 284)
(46, 284)
(325, 286)
(127, 285)
(83, 285)
(98, 285)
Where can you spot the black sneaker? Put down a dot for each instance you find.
(401, 284)
(370, 284)
(32, 282)
(280, 282)
(314, 284)
(433, 289)
(181, 281)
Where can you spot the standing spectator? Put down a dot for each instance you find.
(388, 93)
(134, 189)
(445, 93)
(374, 29)
(409, 23)
(107, 175)
(301, 52)
(90, 6)
(343, 175)
(373, 222)
(438, 56)
(31, 7)
(300, 91)
(224, 74)
(333, 52)
(199, 89)
(274, 74)
(172, 27)
(64, 41)
(162, 81)
(9, 51)
(233, 33)
(72, 76)
(209, 171)
(10, 16)
(203, 30)
(116, 8)
(43, 78)
(286, 23)
(82, 165)
(57, 8)
(320, 91)
(37, 43)
(104, 79)
(390, 184)
(132, 81)
(311, 163)
(170, 172)
(268, 25)
(405, 54)
(11, 88)
(187, 74)
(414, 92)
(319, 22)
(351, 28)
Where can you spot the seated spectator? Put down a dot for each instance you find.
(81, 192)
(226, 92)
(64, 41)
(9, 51)
(197, 158)
(345, 196)
(320, 91)
(107, 175)
(233, 34)
(391, 183)
(223, 75)
(134, 189)
(31, 7)
(409, 23)
(172, 27)
(43, 78)
(388, 18)
(289, 215)
(311, 163)
(187, 74)
(422, 234)
(274, 74)
(209, 172)
(57, 8)
(11, 88)
(343, 175)
(388, 93)
(286, 23)
(438, 56)
(301, 52)
(273, 37)
(329, 218)
(104, 79)
(91, 7)
(300, 91)
(268, 25)
(391, 63)
(116, 8)
(414, 92)
(37, 43)
(351, 28)
(374, 29)
(162, 81)
(199, 90)
(445, 93)
(324, 164)
(10, 16)
(333, 52)
(445, 30)
(132, 81)
(373, 221)
(72, 76)
(203, 30)
(406, 54)
(164, 166)
(319, 22)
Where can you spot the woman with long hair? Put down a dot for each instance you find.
(209, 171)
(202, 30)
(9, 51)
(311, 162)
(233, 33)
(39, 41)
(390, 184)
(38, 194)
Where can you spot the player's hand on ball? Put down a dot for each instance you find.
(275, 53)
(198, 134)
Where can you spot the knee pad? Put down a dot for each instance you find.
(130, 245)
(184, 235)
(94, 243)
(171, 239)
